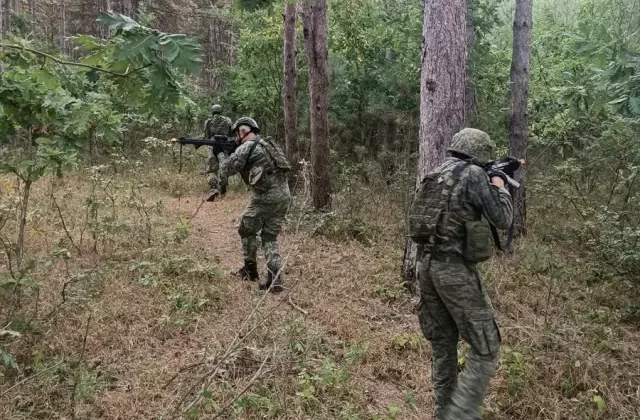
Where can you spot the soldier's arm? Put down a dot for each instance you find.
(494, 202)
(235, 162)
(206, 129)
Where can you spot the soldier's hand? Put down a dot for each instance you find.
(497, 181)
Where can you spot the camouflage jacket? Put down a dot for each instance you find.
(273, 186)
(217, 124)
(474, 197)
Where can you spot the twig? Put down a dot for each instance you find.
(86, 333)
(184, 369)
(296, 307)
(245, 389)
(197, 210)
(30, 377)
(75, 381)
(64, 225)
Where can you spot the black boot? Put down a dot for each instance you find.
(247, 272)
(274, 286)
(212, 195)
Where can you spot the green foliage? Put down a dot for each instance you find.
(406, 342)
(516, 366)
(257, 77)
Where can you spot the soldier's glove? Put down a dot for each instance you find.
(499, 174)
(217, 149)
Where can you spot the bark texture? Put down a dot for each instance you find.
(290, 95)
(443, 81)
(315, 36)
(520, 66)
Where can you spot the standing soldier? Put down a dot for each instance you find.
(217, 125)
(264, 167)
(449, 221)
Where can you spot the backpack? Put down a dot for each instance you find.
(276, 154)
(428, 214)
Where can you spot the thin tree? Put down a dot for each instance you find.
(520, 65)
(63, 26)
(314, 19)
(290, 95)
(442, 92)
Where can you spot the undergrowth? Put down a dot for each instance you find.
(123, 307)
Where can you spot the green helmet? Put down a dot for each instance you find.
(216, 109)
(248, 121)
(474, 144)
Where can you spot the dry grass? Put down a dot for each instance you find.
(146, 316)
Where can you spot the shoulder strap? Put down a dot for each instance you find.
(253, 147)
(451, 182)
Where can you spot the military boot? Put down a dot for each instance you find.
(274, 286)
(247, 272)
(212, 195)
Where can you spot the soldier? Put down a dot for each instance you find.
(217, 125)
(448, 221)
(264, 168)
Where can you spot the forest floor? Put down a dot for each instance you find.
(128, 311)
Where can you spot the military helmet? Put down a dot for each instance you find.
(246, 121)
(474, 144)
(216, 109)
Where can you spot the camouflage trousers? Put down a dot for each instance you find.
(266, 219)
(212, 168)
(452, 303)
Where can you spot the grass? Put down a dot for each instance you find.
(127, 309)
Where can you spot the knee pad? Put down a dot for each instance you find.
(248, 227)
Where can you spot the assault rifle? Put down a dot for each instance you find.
(219, 142)
(505, 168)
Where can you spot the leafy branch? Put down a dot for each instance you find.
(72, 63)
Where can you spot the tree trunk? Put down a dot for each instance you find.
(1, 21)
(63, 26)
(470, 90)
(442, 92)
(520, 64)
(290, 96)
(315, 35)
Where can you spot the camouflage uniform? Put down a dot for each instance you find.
(216, 125)
(453, 301)
(267, 209)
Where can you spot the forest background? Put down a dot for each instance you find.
(114, 297)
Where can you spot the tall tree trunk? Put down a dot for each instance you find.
(520, 65)
(63, 26)
(315, 35)
(470, 90)
(442, 92)
(290, 95)
(2, 12)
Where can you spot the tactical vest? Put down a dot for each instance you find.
(272, 161)
(430, 221)
(279, 161)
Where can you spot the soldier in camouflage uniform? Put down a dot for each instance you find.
(449, 221)
(218, 124)
(264, 168)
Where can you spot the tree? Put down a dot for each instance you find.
(290, 96)
(520, 65)
(50, 109)
(442, 91)
(315, 36)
